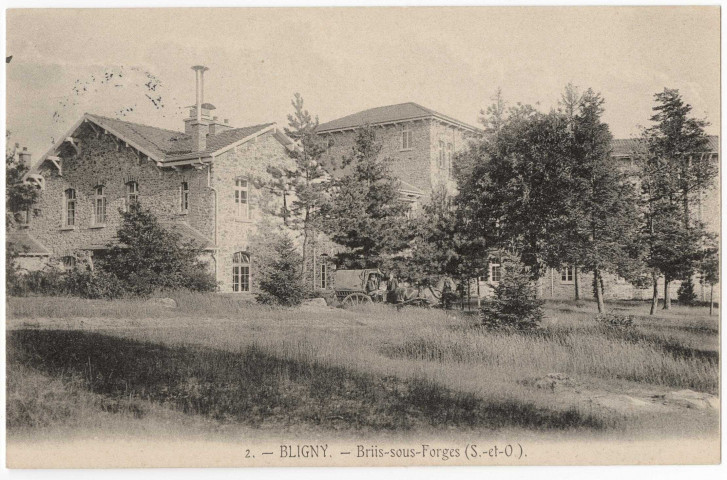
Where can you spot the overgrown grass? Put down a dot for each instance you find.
(372, 368)
(255, 388)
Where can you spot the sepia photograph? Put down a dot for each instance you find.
(362, 236)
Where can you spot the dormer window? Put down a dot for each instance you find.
(132, 194)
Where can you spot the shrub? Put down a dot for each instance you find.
(515, 305)
(148, 257)
(686, 294)
(615, 320)
(281, 283)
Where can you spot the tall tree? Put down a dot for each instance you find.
(673, 171)
(303, 186)
(602, 218)
(364, 212)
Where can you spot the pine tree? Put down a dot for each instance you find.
(281, 283)
(602, 218)
(673, 170)
(364, 213)
(304, 185)
(149, 257)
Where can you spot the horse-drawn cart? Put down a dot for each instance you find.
(355, 287)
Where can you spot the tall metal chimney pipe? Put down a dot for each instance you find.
(199, 77)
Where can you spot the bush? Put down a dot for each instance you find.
(515, 305)
(685, 294)
(281, 283)
(615, 320)
(149, 257)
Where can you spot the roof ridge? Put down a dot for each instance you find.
(135, 123)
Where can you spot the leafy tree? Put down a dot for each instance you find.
(149, 257)
(281, 283)
(515, 305)
(306, 180)
(364, 212)
(438, 247)
(516, 195)
(19, 196)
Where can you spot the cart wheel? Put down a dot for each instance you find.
(356, 299)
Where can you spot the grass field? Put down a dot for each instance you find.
(217, 363)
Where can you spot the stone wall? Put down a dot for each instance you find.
(101, 162)
(249, 161)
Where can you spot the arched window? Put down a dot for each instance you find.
(69, 210)
(99, 205)
(132, 194)
(240, 272)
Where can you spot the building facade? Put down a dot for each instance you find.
(203, 183)
(420, 142)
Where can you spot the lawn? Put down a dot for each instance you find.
(217, 364)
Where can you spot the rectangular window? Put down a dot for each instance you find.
(441, 154)
(241, 199)
(132, 194)
(70, 210)
(406, 140)
(324, 275)
(99, 206)
(567, 274)
(450, 155)
(184, 197)
(495, 273)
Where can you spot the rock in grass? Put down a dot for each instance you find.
(162, 302)
(314, 304)
(692, 399)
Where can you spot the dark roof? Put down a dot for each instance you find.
(623, 147)
(25, 243)
(169, 144)
(387, 114)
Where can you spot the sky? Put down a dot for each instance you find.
(135, 64)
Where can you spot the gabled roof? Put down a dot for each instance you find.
(389, 114)
(26, 245)
(163, 145)
(625, 147)
(409, 188)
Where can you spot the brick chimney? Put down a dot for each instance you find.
(24, 156)
(198, 125)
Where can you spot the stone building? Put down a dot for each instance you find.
(203, 182)
(420, 142)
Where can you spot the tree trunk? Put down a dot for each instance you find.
(479, 297)
(711, 296)
(575, 283)
(655, 296)
(598, 291)
(667, 298)
(469, 293)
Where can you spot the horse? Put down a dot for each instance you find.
(401, 294)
